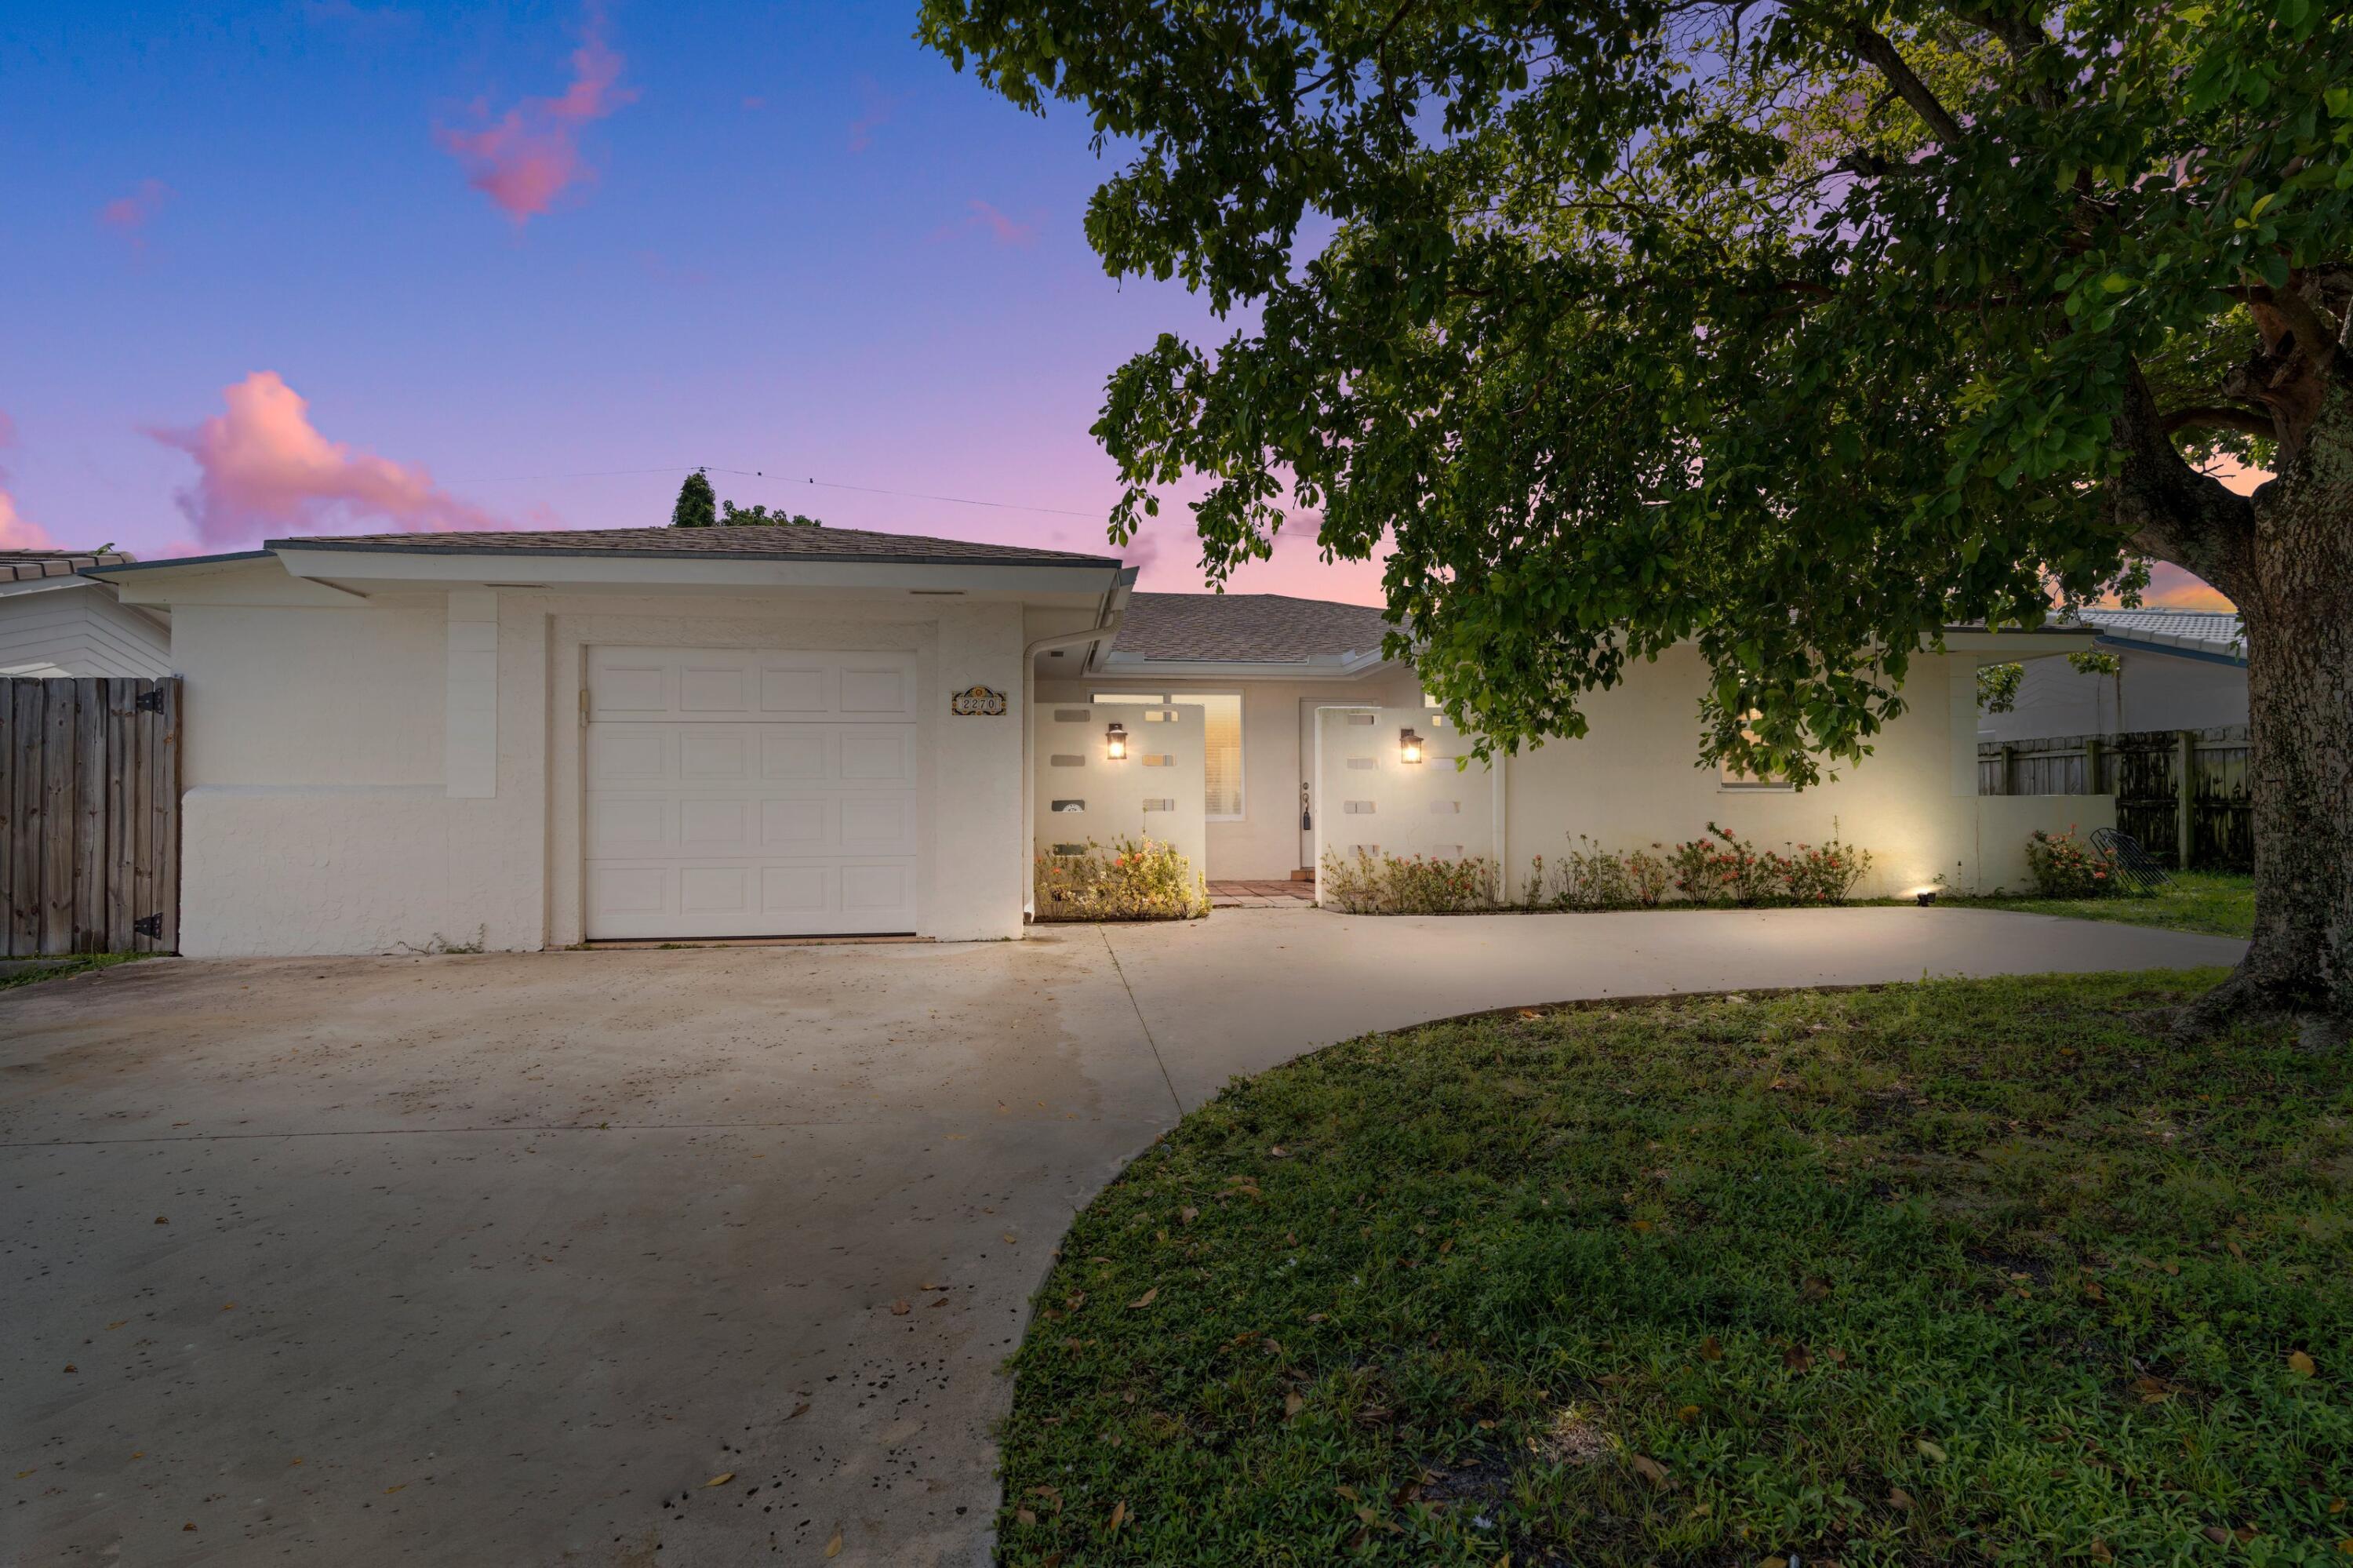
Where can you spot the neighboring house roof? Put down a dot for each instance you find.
(754, 542)
(1246, 628)
(2207, 634)
(30, 565)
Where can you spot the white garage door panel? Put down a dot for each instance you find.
(750, 793)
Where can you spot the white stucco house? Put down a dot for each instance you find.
(56, 620)
(2177, 668)
(529, 740)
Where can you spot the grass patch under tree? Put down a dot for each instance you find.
(2220, 903)
(1955, 1272)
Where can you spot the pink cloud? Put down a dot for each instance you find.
(129, 214)
(879, 106)
(529, 155)
(263, 467)
(17, 532)
(1001, 228)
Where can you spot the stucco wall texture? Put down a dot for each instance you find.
(322, 814)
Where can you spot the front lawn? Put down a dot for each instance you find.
(2221, 903)
(1977, 1271)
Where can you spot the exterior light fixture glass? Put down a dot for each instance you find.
(1409, 746)
(1116, 741)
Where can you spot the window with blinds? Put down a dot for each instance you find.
(1222, 744)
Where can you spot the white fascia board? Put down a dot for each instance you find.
(1339, 667)
(2006, 647)
(43, 585)
(643, 573)
(157, 584)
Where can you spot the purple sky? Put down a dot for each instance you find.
(336, 265)
(340, 265)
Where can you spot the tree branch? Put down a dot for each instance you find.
(2170, 510)
(2222, 417)
(1875, 47)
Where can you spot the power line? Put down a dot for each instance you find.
(760, 473)
(959, 499)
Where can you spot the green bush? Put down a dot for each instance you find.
(1134, 879)
(1369, 884)
(1720, 867)
(2063, 866)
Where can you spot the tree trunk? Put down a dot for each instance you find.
(2294, 594)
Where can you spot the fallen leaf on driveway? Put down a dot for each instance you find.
(833, 1547)
(720, 1480)
(1143, 1300)
(1012, 1240)
(799, 1411)
(900, 1309)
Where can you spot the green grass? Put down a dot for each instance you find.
(1956, 1272)
(58, 968)
(2221, 903)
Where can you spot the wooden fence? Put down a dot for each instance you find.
(89, 815)
(2209, 828)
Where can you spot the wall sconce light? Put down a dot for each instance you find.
(1116, 742)
(1409, 747)
(1924, 896)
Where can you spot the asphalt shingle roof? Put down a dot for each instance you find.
(1245, 627)
(26, 565)
(2198, 630)
(788, 543)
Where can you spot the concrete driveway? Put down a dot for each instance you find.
(505, 1258)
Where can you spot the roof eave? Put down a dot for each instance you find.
(1319, 667)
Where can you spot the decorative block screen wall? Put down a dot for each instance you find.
(1373, 799)
(1155, 791)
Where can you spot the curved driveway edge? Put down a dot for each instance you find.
(505, 1258)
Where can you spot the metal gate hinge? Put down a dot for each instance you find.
(148, 703)
(148, 925)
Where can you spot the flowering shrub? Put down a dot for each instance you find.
(1592, 878)
(1134, 879)
(1719, 867)
(1825, 872)
(1369, 884)
(1648, 877)
(2066, 867)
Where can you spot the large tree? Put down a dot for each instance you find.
(1801, 331)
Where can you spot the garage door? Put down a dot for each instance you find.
(738, 793)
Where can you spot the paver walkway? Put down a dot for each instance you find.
(1262, 896)
(506, 1258)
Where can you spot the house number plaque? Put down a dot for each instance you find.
(977, 702)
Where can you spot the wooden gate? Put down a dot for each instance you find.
(89, 815)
